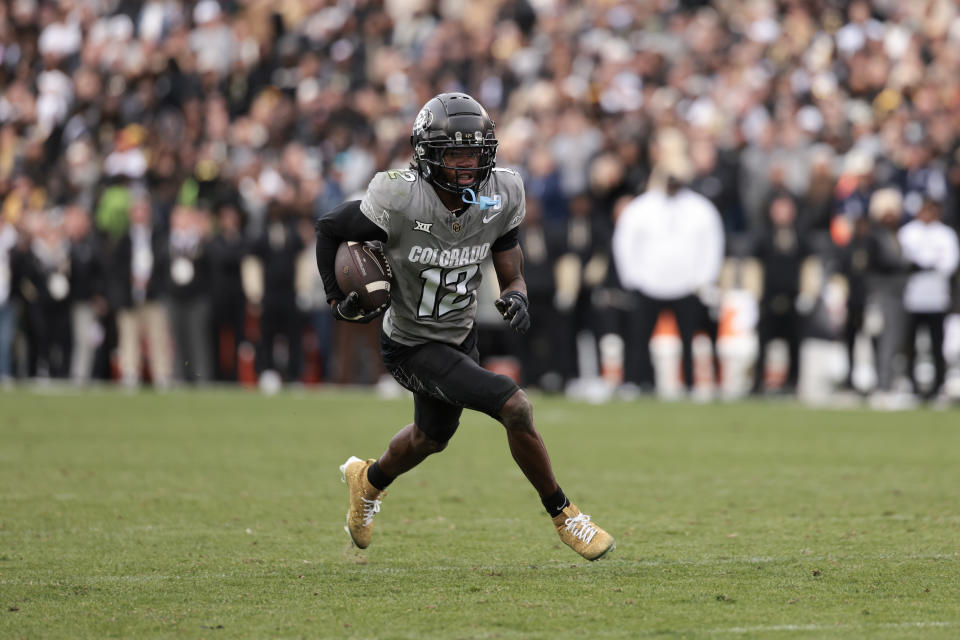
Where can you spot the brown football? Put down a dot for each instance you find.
(362, 267)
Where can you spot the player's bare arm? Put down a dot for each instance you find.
(512, 304)
(509, 267)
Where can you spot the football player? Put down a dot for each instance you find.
(438, 221)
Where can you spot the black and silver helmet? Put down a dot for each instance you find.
(453, 121)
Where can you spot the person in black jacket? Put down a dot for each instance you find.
(45, 287)
(781, 250)
(189, 294)
(87, 281)
(140, 271)
(542, 351)
(278, 249)
(8, 244)
(855, 265)
(227, 249)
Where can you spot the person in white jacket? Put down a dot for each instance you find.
(933, 250)
(668, 248)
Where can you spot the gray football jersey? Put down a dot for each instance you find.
(435, 255)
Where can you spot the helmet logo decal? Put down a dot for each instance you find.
(423, 121)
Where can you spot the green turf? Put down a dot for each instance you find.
(219, 515)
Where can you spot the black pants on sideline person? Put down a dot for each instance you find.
(638, 366)
(280, 318)
(777, 320)
(934, 324)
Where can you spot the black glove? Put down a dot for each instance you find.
(349, 309)
(513, 307)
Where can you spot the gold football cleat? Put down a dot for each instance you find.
(581, 534)
(364, 500)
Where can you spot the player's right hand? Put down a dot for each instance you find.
(349, 309)
(513, 306)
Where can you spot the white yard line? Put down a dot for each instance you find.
(831, 627)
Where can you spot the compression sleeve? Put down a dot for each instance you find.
(342, 223)
(508, 240)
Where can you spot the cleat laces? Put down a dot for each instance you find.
(587, 530)
(372, 508)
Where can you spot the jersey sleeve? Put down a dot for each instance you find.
(515, 197)
(387, 197)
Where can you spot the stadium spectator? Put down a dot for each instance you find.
(87, 292)
(854, 266)
(278, 249)
(667, 247)
(189, 293)
(934, 253)
(544, 186)
(45, 286)
(541, 351)
(885, 283)
(856, 187)
(581, 270)
(781, 249)
(312, 302)
(818, 202)
(227, 249)
(715, 178)
(8, 241)
(140, 266)
(920, 179)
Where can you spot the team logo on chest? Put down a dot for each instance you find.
(457, 226)
(422, 226)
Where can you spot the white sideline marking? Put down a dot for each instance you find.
(824, 627)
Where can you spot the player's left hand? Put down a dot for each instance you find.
(513, 306)
(349, 310)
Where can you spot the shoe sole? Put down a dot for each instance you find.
(352, 541)
(605, 552)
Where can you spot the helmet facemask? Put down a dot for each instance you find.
(437, 159)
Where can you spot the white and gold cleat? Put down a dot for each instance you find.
(364, 500)
(583, 535)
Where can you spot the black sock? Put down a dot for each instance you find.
(556, 503)
(378, 478)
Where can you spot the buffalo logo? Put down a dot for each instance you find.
(423, 121)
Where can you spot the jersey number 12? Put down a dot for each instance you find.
(446, 290)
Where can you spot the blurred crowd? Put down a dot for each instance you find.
(162, 163)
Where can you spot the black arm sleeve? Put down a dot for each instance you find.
(507, 241)
(342, 223)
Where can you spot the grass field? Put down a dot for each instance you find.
(220, 515)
